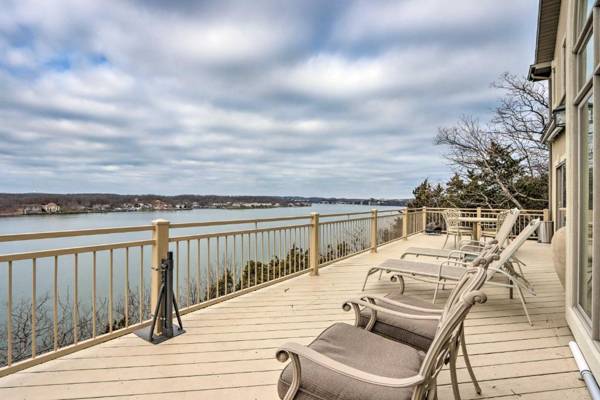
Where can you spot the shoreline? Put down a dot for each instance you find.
(142, 211)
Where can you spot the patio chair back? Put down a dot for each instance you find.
(451, 216)
(448, 334)
(509, 251)
(506, 221)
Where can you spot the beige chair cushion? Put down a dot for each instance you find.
(359, 349)
(414, 332)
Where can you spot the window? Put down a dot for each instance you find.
(584, 11)
(586, 152)
(585, 62)
(561, 194)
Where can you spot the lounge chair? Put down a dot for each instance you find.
(469, 247)
(451, 270)
(416, 332)
(346, 362)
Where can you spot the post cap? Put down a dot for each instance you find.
(160, 221)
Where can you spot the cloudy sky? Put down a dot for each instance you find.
(332, 98)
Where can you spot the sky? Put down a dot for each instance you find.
(306, 98)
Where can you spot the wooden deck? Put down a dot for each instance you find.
(228, 349)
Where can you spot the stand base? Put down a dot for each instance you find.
(144, 333)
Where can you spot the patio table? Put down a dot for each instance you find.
(476, 224)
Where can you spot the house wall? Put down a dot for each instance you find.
(557, 80)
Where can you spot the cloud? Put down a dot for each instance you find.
(232, 97)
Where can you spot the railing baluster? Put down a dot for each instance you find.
(55, 303)
(188, 274)
(234, 267)
(177, 272)
(33, 307)
(94, 294)
(110, 291)
(141, 285)
(218, 266)
(208, 277)
(262, 255)
(75, 315)
(255, 257)
(126, 289)
(269, 256)
(198, 277)
(226, 273)
(9, 332)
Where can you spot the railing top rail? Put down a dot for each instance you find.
(232, 233)
(72, 250)
(71, 233)
(235, 222)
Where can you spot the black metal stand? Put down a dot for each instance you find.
(168, 303)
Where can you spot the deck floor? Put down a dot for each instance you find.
(228, 350)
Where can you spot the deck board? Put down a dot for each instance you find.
(228, 349)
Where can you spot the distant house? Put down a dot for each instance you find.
(32, 209)
(51, 208)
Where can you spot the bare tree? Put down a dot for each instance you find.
(504, 156)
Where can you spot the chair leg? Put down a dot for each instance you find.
(380, 273)
(522, 298)
(463, 346)
(453, 377)
(371, 271)
(437, 286)
(446, 241)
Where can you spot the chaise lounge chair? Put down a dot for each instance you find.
(346, 362)
(452, 270)
(416, 332)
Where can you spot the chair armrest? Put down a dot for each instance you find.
(454, 254)
(356, 303)
(295, 350)
(404, 305)
(469, 242)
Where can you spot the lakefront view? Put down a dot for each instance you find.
(342, 200)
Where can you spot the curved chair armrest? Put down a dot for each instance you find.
(470, 242)
(460, 253)
(472, 248)
(356, 303)
(404, 305)
(296, 350)
(454, 263)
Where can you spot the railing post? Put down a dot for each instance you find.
(160, 248)
(405, 223)
(374, 230)
(313, 250)
(424, 218)
(478, 227)
(546, 216)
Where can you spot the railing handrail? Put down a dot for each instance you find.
(14, 237)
